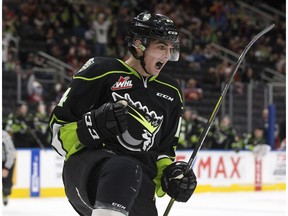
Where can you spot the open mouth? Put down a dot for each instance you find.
(159, 65)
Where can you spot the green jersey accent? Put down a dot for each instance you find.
(98, 77)
(70, 138)
(161, 165)
(143, 121)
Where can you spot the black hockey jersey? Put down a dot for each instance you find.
(155, 109)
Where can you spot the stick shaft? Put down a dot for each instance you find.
(170, 204)
(217, 106)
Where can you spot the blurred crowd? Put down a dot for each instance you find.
(29, 129)
(74, 31)
(222, 135)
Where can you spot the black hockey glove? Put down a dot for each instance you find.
(102, 124)
(177, 185)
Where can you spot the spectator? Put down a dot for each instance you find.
(101, 26)
(25, 29)
(212, 77)
(83, 52)
(224, 70)
(41, 125)
(185, 129)
(57, 91)
(19, 124)
(248, 75)
(29, 7)
(209, 52)
(224, 135)
(198, 124)
(254, 138)
(192, 91)
(35, 90)
(280, 64)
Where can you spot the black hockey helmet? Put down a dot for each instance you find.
(147, 26)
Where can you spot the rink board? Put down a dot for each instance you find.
(38, 173)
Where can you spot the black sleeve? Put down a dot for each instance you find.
(83, 94)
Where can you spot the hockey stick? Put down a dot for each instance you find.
(217, 106)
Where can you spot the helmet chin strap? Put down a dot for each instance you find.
(142, 62)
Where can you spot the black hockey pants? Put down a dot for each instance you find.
(102, 179)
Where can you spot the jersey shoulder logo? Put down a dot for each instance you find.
(122, 83)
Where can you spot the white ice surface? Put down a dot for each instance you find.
(201, 204)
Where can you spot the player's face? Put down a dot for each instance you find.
(156, 56)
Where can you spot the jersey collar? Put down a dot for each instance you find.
(134, 71)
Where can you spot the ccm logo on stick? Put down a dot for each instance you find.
(164, 96)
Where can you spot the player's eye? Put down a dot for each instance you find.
(162, 47)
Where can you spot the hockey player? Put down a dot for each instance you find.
(117, 126)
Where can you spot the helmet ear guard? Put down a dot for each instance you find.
(147, 27)
(139, 46)
(132, 46)
(142, 47)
